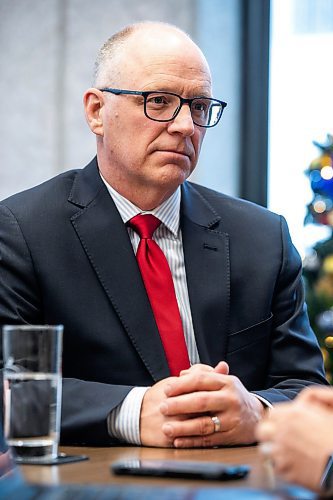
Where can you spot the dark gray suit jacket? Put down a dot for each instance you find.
(65, 257)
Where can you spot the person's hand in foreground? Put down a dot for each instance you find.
(178, 411)
(298, 438)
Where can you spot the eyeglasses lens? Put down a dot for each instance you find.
(163, 107)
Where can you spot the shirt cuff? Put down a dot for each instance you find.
(263, 400)
(326, 482)
(124, 420)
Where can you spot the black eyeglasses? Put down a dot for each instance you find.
(165, 106)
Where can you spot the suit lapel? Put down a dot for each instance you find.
(206, 252)
(105, 240)
(110, 253)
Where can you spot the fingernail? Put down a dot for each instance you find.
(167, 429)
(177, 443)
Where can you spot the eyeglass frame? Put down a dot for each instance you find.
(183, 100)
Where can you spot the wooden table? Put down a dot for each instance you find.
(97, 468)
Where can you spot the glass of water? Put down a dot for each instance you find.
(32, 390)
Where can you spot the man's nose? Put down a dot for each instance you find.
(183, 122)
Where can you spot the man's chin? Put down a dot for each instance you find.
(174, 175)
(177, 170)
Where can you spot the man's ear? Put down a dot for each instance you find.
(93, 101)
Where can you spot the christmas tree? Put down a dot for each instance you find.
(318, 264)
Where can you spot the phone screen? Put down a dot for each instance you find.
(183, 469)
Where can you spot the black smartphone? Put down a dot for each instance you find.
(179, 468)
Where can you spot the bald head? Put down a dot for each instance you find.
(132, 42)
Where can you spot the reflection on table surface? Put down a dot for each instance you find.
(97, 468)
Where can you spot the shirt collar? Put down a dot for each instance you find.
(167, 212)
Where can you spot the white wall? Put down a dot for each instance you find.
(46, 60)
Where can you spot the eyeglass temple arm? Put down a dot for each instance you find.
(119, 92)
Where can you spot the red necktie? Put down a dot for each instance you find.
(159, 285)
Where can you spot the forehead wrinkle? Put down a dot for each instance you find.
(177, 68)
(173, 85)
(176, 64)
(175, 75)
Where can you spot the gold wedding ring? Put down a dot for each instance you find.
(217, 423)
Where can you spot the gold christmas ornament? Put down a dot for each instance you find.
(328, 264)
(329, 342)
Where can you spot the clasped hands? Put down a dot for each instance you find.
(177, 411)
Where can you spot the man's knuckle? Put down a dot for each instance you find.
(200, 378)
(204, 401)
(234, 401)
(207, 441)
(205, 426)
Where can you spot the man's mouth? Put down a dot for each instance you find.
(175, 152)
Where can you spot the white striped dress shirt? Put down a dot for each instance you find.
(124, 420)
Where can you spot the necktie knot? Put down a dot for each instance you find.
(145, 225)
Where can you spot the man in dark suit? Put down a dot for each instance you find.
(67, 251)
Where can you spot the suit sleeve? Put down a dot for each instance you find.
(85, 405)
(296, 359)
